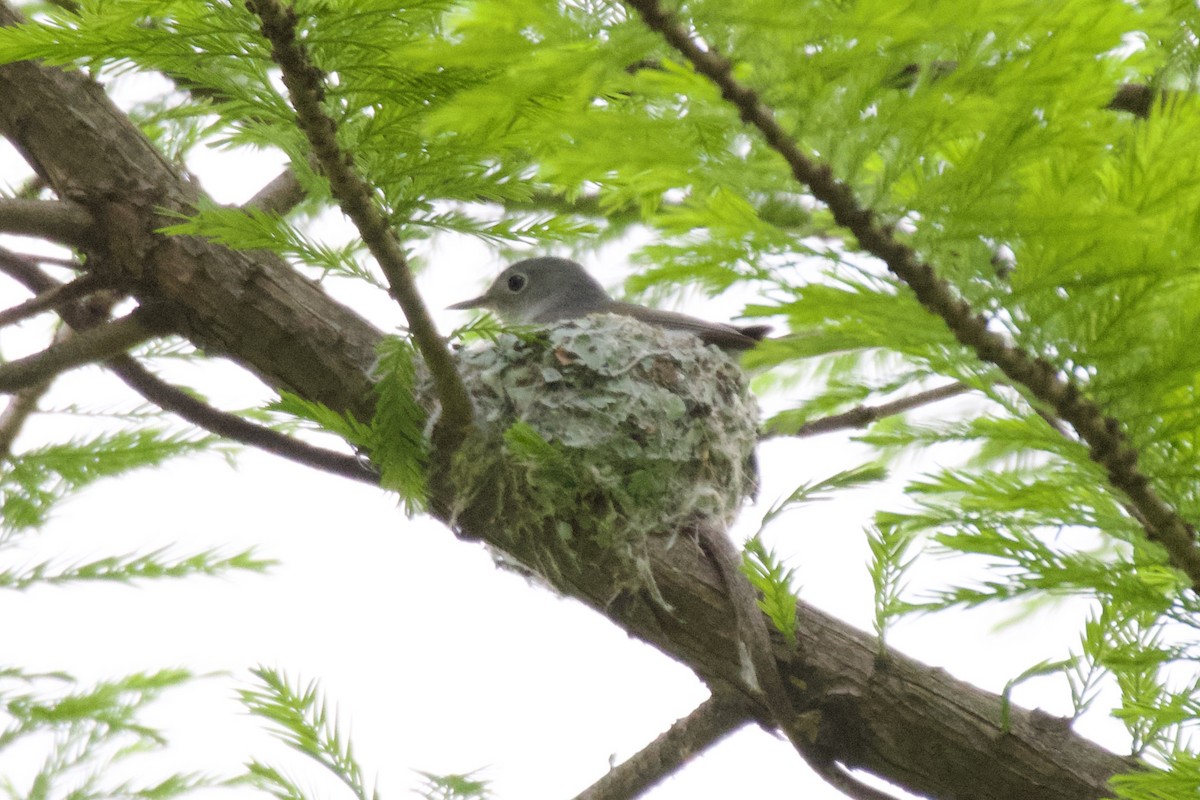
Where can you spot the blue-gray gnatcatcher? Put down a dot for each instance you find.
(548, 289)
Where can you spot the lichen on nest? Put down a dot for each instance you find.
(598, 432)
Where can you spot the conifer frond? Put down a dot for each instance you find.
(775, 582)
(34, 480)
(80, 737)
(398, 443)
(128, 568)
(301, 719)
(984, 142)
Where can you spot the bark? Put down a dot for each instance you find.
(904, 721)
(248, 306)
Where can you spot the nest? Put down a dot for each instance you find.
(599, 432)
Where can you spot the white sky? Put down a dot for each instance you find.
(434, 660)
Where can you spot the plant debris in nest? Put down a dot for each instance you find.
(599, 432)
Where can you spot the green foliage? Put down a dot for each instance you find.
(454, 787)
(1037, 670)
(253, 229)
(33, 481)
(398, 443)
(83, 734)
(128, 568)
(774, 581)
(301, 719)
(323, 417)
(983, 140)
(890, 560)
(1179, 778)
(395, 439)
(825, 488)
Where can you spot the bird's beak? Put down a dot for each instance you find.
(476, 302)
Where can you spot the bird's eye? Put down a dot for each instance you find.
(516, 282)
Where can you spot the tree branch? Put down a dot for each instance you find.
(252, 307)
(96, 344)
(762, 671)
(176, 400)
(236, 428)
(902, 720)
(881, 712)
(49, 299)
(19, 409)
(1137, 99)
(711, 721)
(304, 84)
(1109, 447)
(56, 220)
(864, 415)
(22, 406)
(279, 196)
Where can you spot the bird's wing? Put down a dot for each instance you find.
(718, 333)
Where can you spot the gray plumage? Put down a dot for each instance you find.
(548, 289)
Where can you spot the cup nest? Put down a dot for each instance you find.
(599, 432)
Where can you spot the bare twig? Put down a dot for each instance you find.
(181, 403)
(710, 722)
(56, 220)
(234, 427)
(25, 270)
(304, 83)
(862, 416)
(96, 344)
(49, 299)
(1109, 447)
(19, 409)
(23, 405)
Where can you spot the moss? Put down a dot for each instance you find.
(599, 432)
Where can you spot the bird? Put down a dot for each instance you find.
(550, 289)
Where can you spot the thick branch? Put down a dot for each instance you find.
(887, 714)
(305, 87)
(760, 668)
(251, 307)
(1109, 446)
(711, 721)
(56, 220)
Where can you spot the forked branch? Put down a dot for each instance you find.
(305, 88)
(164, 395)
(1109, 446)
